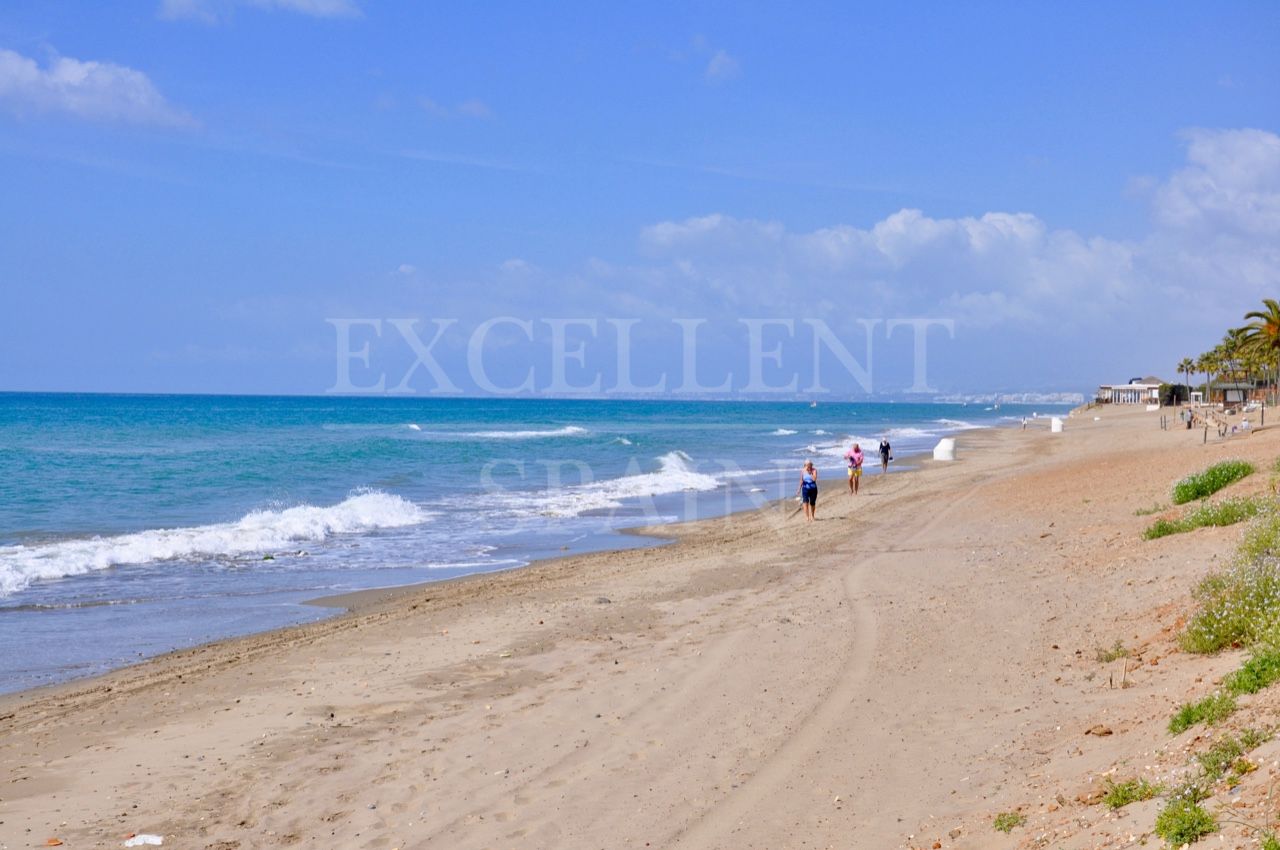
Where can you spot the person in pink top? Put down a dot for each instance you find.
(854, 457)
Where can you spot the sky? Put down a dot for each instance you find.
(294, 196)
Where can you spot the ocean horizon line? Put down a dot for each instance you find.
(950, 397)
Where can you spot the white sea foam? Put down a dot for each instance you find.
(784, 432)
(820, 433)
(566, 431)
(912, 433)
(413, 426)
(956, 424)
(674, 474)
(257, 532)
(623, 441)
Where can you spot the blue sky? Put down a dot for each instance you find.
(192, 187)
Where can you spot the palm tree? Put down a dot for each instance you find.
(1185, 365)
(1262, 336)
(1209, 363)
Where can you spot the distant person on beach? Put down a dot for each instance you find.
(808, 491)
(855, 457)
(886, 455)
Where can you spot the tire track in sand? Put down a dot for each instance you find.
(731, 822)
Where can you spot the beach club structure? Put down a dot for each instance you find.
(1137, 391)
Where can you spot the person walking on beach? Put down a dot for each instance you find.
(855, 457)
(808, 491)
(886, 454)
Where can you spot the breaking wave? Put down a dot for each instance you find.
(257, 532)
(566, 431)
(674, 474)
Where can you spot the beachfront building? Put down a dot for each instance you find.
(1137, 391)
(1237, 392)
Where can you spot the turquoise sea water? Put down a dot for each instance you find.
(131, 525)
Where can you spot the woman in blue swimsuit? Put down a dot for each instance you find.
(808, 491)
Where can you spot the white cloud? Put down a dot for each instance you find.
(722, 67)
(1215, 227)
(97, 91)
(210, 11)
(515, 265)
(1231, 183)
(985, 270)
(406, 269)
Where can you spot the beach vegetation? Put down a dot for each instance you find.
(1260, 671)
(1121, 794)
(1154, 509)
(1240, 606)
(1183, 821)
(1208, 514)
(1211, 711)
(1221, 757)
(1262, 540)
(1006, 821)
(1115, 653)
(1227, 760)
(1209, 481)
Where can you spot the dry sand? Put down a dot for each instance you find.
(895, 674)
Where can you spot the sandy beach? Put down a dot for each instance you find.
(920, 659)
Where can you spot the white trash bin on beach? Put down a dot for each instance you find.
(945, 450)
(1055, 425)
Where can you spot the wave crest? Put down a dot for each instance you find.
(532, 434)
(258, 531)
(674, 474)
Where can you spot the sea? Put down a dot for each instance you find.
(132, 525)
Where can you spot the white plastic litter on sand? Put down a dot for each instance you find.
(140, 840)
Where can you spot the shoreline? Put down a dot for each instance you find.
(368, 600)
(359, 600)
(891, 672)
(363, 598)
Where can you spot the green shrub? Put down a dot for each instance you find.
(1122, 794)
(1006, 821)
(1209, 514)
(1237, 608)
(1270, 842)
(1211, 710)
(1219, 757)
(1241, 605)
(1261, 670)
(1252, 738)
(1262, 540)
(1115, 653)
(1183, 821)
(1206, 483)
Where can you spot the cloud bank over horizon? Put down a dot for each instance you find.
(1020, 292)
(1215, 221)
